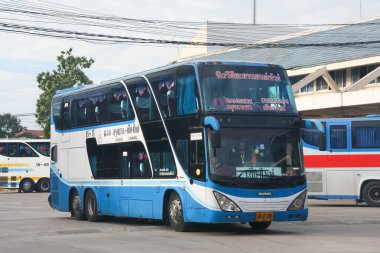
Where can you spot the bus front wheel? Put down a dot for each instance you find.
(175, 214)
(75, 207)
(260, 225)
(371, 193)
(27, 185)
(92, 207)
(43, 185)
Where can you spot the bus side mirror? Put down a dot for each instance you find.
(215, 139)
(322, 142)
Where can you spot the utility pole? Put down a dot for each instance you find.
(254, 12)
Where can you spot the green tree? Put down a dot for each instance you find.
(69, 72)
(9, 125)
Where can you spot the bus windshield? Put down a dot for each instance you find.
(257, 158)
(246, 89)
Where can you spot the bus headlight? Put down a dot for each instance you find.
(225, 203)
(299, 202)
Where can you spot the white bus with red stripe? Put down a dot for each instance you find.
(349, 168)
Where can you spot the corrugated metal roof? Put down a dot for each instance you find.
(310, 56)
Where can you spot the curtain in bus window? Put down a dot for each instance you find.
(366, 137)
(186, 95)
(338, 137)
(98, 108)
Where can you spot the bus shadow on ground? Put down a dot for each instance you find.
(229, 228)
(358, 205)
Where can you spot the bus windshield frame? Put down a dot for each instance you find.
(245, 89)
(257, 158)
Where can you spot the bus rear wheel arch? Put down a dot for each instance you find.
(371, 193)
(27, 185)
(43, 185)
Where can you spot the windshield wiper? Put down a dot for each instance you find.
(233, 182)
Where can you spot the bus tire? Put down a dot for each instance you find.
(260, 225)
(75, 207)
(43, 185)
(371, 193)
(27, 185)
(92, 207)
(175, 214)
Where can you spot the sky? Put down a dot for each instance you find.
(23, 57)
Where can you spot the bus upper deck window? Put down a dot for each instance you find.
(143, 101)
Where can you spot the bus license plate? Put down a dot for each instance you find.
(264, 216)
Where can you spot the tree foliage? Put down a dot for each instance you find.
(69, 72)
(9, 125)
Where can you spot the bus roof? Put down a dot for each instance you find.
(166, 67)
(24, 140)
(372, 117)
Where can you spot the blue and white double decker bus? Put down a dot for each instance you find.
(192, 142)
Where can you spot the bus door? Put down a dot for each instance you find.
(197, 168)
(125, 173)
(339, 177)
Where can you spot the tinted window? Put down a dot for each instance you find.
(246, 89)
(56, 111)
(98, 107)
(366, 134)
(119, 106)
(117, 160)
(15, 149)
(162, 159)
(165, 91)
(42, 147)
(338, 136)
(310, 137)
(187, 92)
(140, 162)
(79, 113)
(143, 100)
(3, 149)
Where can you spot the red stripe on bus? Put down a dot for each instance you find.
(341, 161)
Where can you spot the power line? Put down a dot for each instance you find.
(66, 34)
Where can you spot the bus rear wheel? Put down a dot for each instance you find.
(75, 207)
(43, 185)
(175, 214)
(260, 225)
(27, 185)
(371, 194)
(92, 207)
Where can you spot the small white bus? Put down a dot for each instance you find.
(25, 164)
